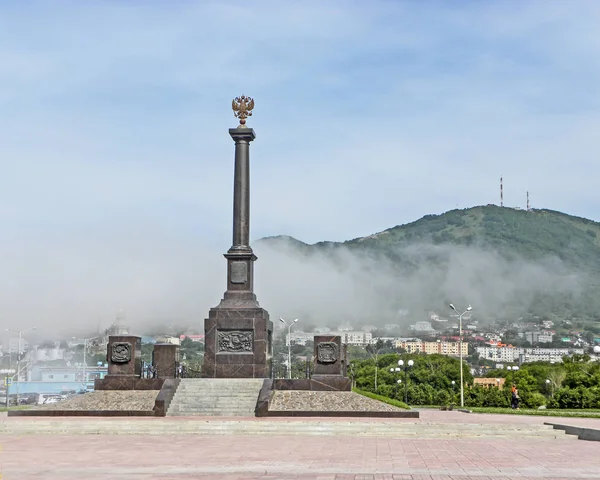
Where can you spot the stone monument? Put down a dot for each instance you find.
(165, 358)
(238, 332)
(330, 362)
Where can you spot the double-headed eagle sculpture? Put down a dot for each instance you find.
(242, 108)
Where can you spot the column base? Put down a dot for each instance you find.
(238, 339)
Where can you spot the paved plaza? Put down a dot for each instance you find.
(239, 456)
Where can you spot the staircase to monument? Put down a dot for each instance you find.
(216, 397)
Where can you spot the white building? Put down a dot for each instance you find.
(443, 348)
(545, 337)
(13, 345)
(510, 354)
(298, 338)
(357, 338)
(422, 327)
(46, 354)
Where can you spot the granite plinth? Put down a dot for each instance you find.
(317, 383)
(165, 358)
(124, 355)
(237, 340)
(100, 403)
(128, 383)
(304, 403)
(329, 355)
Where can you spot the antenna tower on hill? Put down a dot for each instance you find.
(528, 204)
(501, 193)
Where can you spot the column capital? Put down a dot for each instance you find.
(242, 133)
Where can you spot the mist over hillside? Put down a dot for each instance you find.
(505, 263)
(343, 285)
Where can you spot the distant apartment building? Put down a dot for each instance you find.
(298, 338)
(13, 345)
(443, 348)
(547, 323)
(46, 354)
(545, 337)
(355, 337)
(193, 338)
(422, 327)
(508, 353)
(538, 337)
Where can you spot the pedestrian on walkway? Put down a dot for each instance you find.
(514, 401)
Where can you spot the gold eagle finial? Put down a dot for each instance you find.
(242, 108)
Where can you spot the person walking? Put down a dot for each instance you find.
(514, 401)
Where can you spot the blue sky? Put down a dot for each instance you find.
(368, 115)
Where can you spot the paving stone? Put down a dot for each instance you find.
(237, 456)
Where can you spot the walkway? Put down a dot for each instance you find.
(228, 457)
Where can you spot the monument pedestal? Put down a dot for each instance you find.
(124, 356)
(330, 362)
(165, 358)
(237, 342)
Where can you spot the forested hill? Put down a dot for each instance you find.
(531, 234)
(564, 249)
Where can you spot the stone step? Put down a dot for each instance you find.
(264, 427)
(215, 397)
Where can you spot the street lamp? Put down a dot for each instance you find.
(405, 365)
(398, 382)
(462, 383)
(85, 345)
(289, 337)
(20, 332)
(549, 387)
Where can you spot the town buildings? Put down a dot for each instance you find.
(507, 353)
(443, 348)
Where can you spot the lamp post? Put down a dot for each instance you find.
(289, 337)
(20, 332)
(404, 365)
(462, 383)
(549, 387)
(398, 382)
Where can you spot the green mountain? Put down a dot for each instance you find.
(556, 244)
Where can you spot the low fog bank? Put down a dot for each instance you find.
(77, 287)
(359, 287)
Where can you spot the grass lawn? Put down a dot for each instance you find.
(583, 413)
(381, 398)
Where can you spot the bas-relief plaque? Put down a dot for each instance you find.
(235, 341)
(120, 352)
(327, 352)
(239, 272)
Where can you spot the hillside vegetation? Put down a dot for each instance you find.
(561, 242)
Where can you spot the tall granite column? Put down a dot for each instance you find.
(238, 332)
